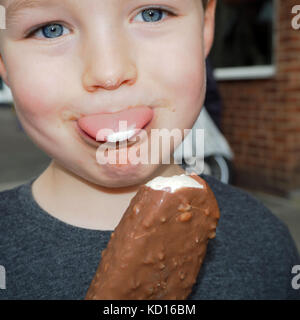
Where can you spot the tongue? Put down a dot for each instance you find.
(136, 118)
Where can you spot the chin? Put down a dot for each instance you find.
(118, 176)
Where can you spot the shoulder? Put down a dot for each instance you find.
(243, 216)
(8, 200)
(12, 205)
(239, 206)
(252, 245)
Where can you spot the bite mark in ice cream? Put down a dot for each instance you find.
(173, 183)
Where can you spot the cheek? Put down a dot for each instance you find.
(185, 73)
(191, 84)
(179, 69)
(35, 87)
(182, 77)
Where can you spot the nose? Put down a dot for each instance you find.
(108, 64)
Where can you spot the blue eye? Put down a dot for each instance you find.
(49, 31)
(53, 30)
(153, 14)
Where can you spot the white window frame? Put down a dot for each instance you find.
(245, 73)
(252, 72)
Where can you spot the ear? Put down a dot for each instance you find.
(3, 73)
(209, 25)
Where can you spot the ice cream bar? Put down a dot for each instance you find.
(158, 247)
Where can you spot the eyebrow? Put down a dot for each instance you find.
(18, 5)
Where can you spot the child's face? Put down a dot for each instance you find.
(103, 56)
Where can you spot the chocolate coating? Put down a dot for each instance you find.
(158, 247)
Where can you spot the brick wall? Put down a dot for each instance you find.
(261, 118)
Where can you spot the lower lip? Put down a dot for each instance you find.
(86, 137)
(91, 141)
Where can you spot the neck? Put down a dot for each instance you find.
(80, 203)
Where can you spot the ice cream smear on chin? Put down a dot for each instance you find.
(173, 183)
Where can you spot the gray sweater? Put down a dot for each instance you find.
(44, 258)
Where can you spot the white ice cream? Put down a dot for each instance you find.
(121, 135)
(174, 183)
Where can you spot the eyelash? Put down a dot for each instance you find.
(35, 30)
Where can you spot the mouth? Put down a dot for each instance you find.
(114, 128)
(90, 140)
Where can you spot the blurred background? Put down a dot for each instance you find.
(253, 98)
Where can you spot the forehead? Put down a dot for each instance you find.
(16, 4)
(13, 7)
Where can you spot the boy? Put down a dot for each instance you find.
(74, 64)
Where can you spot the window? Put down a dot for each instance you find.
(243, 47)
